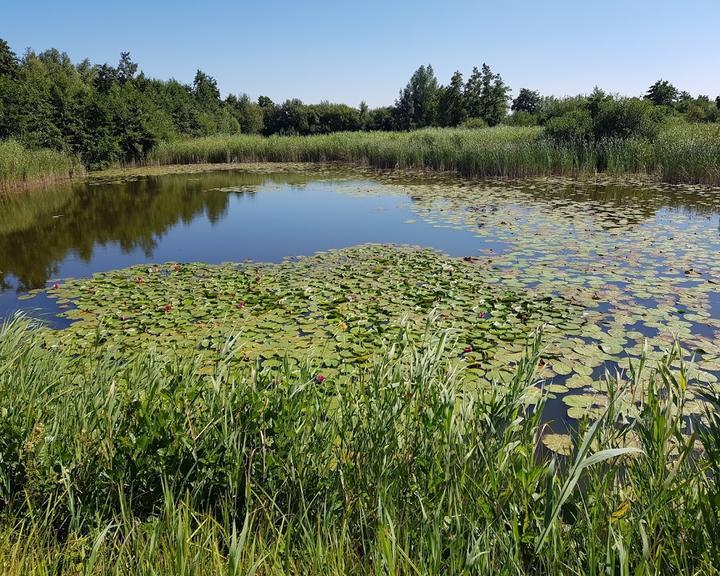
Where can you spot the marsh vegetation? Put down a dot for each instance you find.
(63, 115)
(343, 352)
(145, 466)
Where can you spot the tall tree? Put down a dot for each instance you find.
(9, 65)
(494, 96)
(126, 69)
(417, 104)
(206, 90)
(473, 94)
(527, 101)
(363, 114)
(662, 93)
(451, 108)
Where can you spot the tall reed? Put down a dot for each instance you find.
(688, 153)
(146, 467)
(20, 166)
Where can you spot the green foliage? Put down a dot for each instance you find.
(573, 127)
(20, 166)
(146, 466)
(105, 114)
(662, 93)
(626, 118)
(8, 60)
(521, 118)
(486, 96)
(293, 118)
(527, 101)
(250, 116)
(380, 119)
(565, 146)
(108, 115)
(689, 153)
(416, 107)
(474, 123)
(600, 116)
(451, 105)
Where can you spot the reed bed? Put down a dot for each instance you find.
(21, 166)
(688, 153)
(146, 467)
(681, 153)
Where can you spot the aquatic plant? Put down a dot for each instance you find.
(142, 465)
(20, 166)
(681, 154)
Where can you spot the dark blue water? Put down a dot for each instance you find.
(186, 219)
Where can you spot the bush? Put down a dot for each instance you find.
(474, 123)
(573, 127)
(521, 118)
(627, 118)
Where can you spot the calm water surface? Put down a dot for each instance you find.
(217, 217)
(644, 260)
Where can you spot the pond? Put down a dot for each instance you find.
(607, 266)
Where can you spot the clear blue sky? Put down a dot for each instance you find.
(366, 50)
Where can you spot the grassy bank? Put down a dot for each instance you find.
(688, 153)
(681, 153)
(144, 467)
(21, 166)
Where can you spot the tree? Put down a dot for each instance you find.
(105, 77)
(206, 90)
(494, 97)
(451, 108)
(126, 68)
(248, 114)
(662, 93)
(527, 101)
(363, 113)
(417, 104)
(9, 65)
(473, 94)
(381, 119)
(486, 96)
(265, 102)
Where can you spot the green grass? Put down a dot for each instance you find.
(144, 467)
(503, 151)
(685, 153)
(681, 153)
(689, 153)
(20, 166)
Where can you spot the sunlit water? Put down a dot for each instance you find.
(645, 259)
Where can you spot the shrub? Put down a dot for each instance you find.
(474, 123)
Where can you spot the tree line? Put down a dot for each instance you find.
(105, 114)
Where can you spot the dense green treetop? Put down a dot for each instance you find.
(106, 114)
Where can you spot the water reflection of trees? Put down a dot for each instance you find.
(38, 230)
